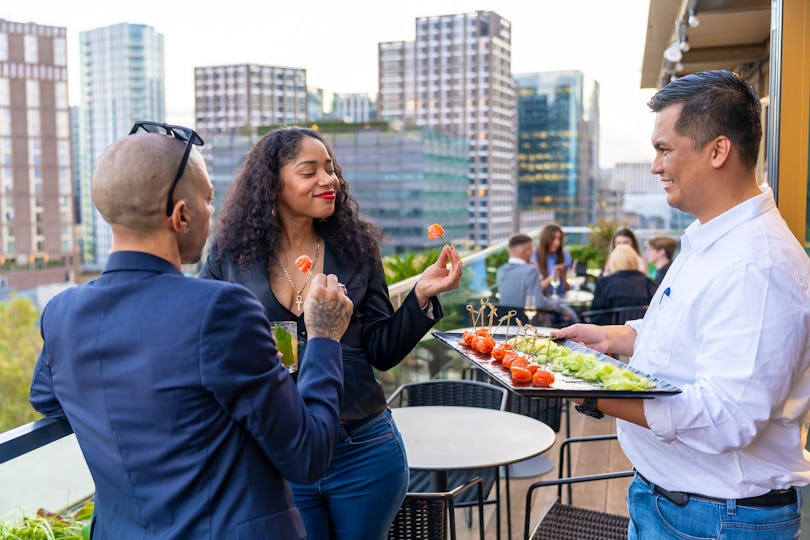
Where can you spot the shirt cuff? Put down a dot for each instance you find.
(658, 413)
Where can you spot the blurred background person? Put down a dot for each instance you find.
(553, 260)
(625, 237)
(626, 286)
(519, 279)
(660, 252)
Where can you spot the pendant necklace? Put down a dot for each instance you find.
(299, 298)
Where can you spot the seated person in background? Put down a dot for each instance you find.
(660, 252)
(625, 287)
(186, 418)
(625, 237)
(553, 260)
(519, 278)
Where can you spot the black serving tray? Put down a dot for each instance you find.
(564, 385)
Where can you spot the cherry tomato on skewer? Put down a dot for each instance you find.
(543, 378)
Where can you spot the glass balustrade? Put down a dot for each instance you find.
(54, 475)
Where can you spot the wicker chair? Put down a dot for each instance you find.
(616, 315)
(425, 516)
(562, 521)
(458, 393)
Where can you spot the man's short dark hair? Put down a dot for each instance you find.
(715, 103)
(664, 242)
(519, 239)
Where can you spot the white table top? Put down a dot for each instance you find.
(440, 438)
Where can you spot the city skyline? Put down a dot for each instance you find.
(337, 46)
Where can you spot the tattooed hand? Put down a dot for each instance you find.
(327, 309)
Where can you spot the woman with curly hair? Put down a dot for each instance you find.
(290, 199)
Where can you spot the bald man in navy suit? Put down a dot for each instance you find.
(186, 418)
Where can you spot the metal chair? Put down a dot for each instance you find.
(457, 393)
(564, 521)
(424, 516)
(616, 315)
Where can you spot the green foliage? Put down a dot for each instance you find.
(49, 526)
(399, 267)
(493, 262)
(586, 254)
(20, 344)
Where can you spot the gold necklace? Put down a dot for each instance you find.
(299, 298)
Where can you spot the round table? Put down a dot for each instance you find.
(442, 438)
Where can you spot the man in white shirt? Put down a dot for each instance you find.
(729, 325)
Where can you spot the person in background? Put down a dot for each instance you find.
(553, 260)
(185, 416)
(290, 199)
(625, 287)
(625, 237)
(519, 278)
(729, 326)
(660, 252)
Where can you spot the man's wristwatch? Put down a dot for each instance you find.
(589, 407)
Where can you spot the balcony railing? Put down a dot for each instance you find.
(41, 465)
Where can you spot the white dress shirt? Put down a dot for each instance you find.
(730, 326)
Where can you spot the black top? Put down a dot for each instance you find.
(624, 288)
(659, 277)
(376, 337)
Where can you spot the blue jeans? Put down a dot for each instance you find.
(364, 487)
(653, 517)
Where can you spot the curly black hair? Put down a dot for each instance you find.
(249, 229)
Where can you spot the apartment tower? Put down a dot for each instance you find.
(122, 81)
(36, 205)
(456, 76)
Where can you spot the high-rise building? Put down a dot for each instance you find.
(558, 147)
(246, 96)
(354, 108)
(314, 104)
(643, 200)
(122, 81)
(456, 76)
(36, 201)
(405, 180)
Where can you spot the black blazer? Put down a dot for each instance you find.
(376, 337)
(624, 288)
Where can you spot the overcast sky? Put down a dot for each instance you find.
(336, 42)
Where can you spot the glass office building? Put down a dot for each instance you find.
(558, 146)
(404, 180)
(456, 76)
(122, 81)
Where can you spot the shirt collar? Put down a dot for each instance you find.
(516, 260)
(699, 237)
(138, 260)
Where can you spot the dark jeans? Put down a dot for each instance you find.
(359, 496)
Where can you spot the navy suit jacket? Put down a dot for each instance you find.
(186, 418)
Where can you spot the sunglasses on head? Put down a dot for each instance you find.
(183, 134)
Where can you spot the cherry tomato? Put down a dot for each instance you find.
(520, 361)
(508, 357)
(498, 351)
(542, 377)
(483, 344)
(468, 337)
(520, 374)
